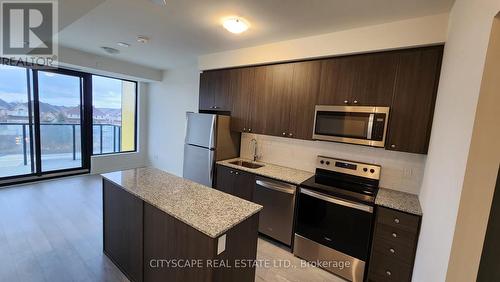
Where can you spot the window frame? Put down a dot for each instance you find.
(136, 108)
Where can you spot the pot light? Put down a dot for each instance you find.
(123, 44)
(235, 25)
(110, 50)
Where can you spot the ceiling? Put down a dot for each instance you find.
(184, 29)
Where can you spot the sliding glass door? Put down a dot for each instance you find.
(60, 119)
(44, 123)
(16, 122)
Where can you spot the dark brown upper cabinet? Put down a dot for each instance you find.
(215, 90)
(414, 99)
(279, 99)
(358, 80)
(243, 98)
(304, 92)
(273, 88)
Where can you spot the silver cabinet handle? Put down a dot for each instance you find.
(290, 134)
(346, 102)
(388, 272)
(284, 133)
(393, 146)
(355, 101)
(337, 201)
(396, 220)
(395, 235)
(237, 173)
(249, 130)
(280, 187)
(392, 251)
(244, 129)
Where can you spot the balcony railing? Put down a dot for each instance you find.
(57, 138)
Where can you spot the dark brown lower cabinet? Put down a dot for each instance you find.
(394, 245)
(235, 182)
(149, 245)
(122, 228)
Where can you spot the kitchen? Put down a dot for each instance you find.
(254, 143)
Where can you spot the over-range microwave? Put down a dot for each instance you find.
(351, 124)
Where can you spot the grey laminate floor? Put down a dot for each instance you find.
(52, 231)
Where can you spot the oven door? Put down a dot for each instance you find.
(336, 223)
(351, 124)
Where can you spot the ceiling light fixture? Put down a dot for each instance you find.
(110, 50)
(235, 25)
(123, 44)
(142, 39)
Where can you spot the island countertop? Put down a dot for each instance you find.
(208, 210)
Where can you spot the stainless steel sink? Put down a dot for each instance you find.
(246, 164)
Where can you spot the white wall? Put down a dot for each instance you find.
(168, 102)
(400, 171)
(406, 33)
(113, 162)
(464, 57)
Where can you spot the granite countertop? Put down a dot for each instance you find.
(399, 201)
(290, 175)
(208, 210)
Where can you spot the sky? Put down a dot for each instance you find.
(57, 89)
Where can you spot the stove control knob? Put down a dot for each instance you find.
(322, 162)
(365, 169)
(327, 163)
(372, 170)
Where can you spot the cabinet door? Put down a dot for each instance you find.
(225, 179)
(275, 92)
(242, 92)
(123, 237)
(336, 81)
(215, 90)
(374, 76)
(304, 92)
(414, 98)
(206, 99)
(244, 185)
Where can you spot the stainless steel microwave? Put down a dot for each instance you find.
(351, 124)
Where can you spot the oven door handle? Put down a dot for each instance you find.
(337, 201)
(283, 188)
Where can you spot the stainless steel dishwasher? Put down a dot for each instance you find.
(278, 200)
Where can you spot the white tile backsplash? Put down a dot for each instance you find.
(400, 171)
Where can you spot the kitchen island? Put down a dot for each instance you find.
(160, 227)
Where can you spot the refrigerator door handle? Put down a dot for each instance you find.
(211, 141)
(211, 167)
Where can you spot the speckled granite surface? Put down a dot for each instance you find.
(205, 209)
(289, 175)
(398, 200)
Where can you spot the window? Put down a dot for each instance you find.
(113, 115)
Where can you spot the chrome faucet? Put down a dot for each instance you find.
(254, 142)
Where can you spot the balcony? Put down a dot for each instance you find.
(60, 146)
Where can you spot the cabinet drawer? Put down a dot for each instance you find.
(396, 235)
(393, 250)
(397, 219)
(384, 268)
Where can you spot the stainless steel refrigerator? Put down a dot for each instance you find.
(208, 140)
